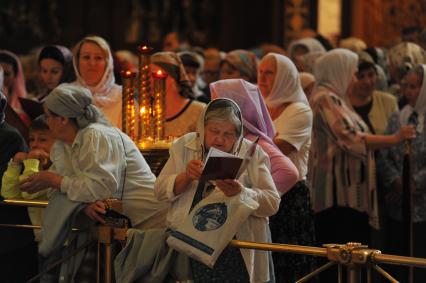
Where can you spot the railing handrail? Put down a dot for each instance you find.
(376, 256)
(24, 202)
(347, 254)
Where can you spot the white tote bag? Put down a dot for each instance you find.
(211, 225)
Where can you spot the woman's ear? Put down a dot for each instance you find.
(65, 121)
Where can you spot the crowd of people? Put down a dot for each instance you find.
(331, 125)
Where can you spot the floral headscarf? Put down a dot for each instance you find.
(405, 56)
(173, 65)
(245, 62)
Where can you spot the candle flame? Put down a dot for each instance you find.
(144, 47)
(142, 110)
(159, 72)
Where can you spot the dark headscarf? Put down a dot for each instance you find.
(62, 55)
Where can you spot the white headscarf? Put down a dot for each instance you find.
(420, 106)
(309, 60)
(312, 44)
(287, 86)
(103, 96)
(216, 103)
(335, 70)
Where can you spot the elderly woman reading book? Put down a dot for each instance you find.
(220, 126)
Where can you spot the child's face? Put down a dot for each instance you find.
(41, 139)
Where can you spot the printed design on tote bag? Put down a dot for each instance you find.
(210, 217)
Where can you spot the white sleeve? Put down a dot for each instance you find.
(163, 188)
(262, 187)
(295, 125)
(99, 169)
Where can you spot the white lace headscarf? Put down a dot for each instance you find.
(103, 96)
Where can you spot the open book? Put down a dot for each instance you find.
(220, 165)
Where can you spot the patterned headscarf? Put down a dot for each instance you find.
(287, 86)
(73, 101)
(353, 44)
(245, 62)
(336, 69)
(102, 94)
(405, 56)
(256, 118)
(172, 64)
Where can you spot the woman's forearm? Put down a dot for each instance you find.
(181, 183)
(381, 141)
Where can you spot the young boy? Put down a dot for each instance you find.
(24, 164)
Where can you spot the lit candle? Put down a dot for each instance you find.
(159, 104)
(144, 87)
(128, 105)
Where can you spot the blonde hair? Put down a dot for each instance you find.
(99, 41)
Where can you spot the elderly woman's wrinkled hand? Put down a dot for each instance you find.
(194, 169)
(229, 187)
(40, 181)
(407, 132)
(95, 211)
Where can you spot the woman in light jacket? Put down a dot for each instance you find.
(220, 126)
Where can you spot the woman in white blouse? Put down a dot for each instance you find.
(93, 161)
(279, 84)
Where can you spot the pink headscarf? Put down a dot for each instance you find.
(256, 117)
(18, 88)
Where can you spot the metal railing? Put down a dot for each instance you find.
(353, 256)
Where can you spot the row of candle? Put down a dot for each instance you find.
(151, 114)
